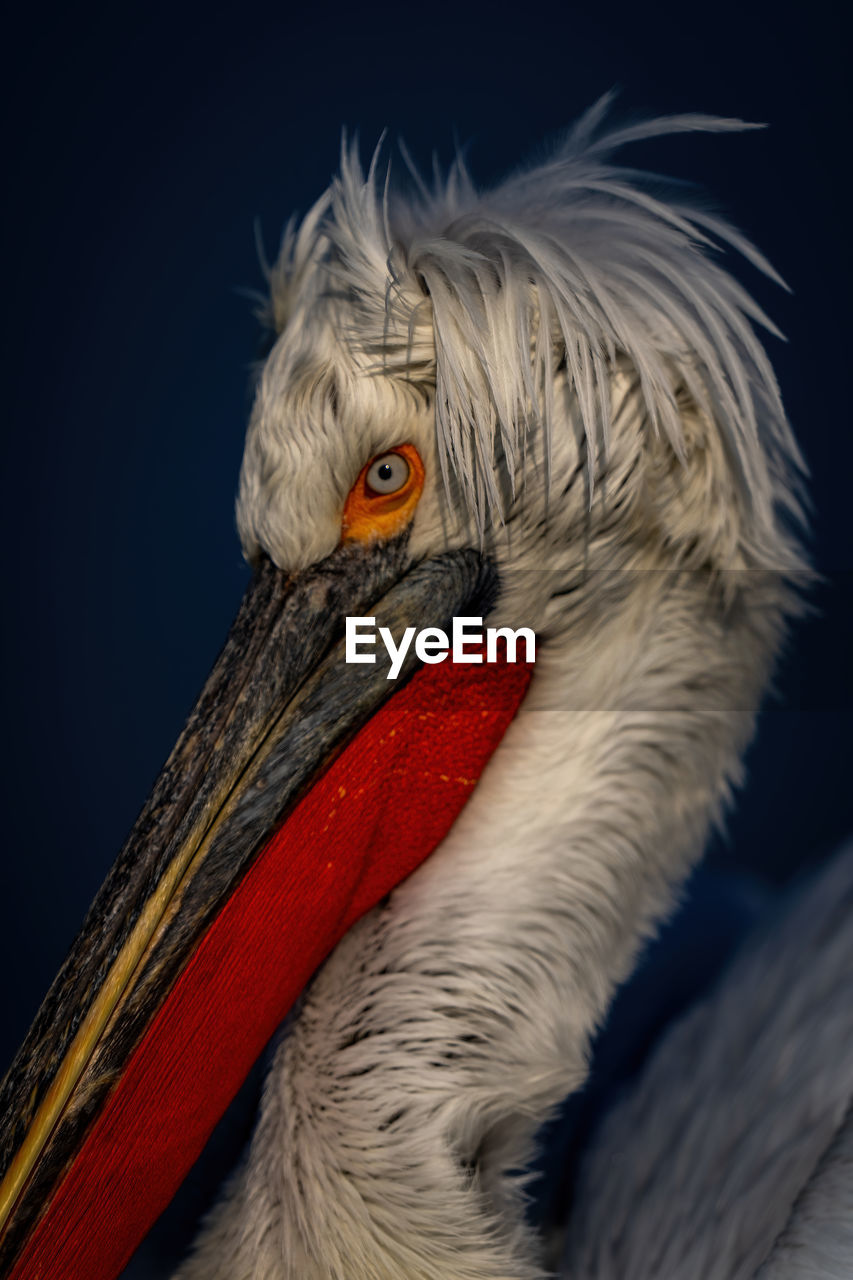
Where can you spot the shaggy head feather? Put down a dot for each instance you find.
(477, 299)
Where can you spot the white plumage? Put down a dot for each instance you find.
(582, 377)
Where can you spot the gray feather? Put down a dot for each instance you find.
(717, 1150)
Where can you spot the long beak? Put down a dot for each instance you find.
(279, 706)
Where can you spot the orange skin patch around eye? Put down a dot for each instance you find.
(372, 517)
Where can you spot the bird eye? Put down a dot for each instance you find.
(388, 473)
(383, 499)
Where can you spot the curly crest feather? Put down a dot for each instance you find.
(573, 262)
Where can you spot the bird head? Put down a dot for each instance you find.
(547, 404)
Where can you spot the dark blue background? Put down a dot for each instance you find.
(139, 146)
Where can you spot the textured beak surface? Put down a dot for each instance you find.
(280, 705)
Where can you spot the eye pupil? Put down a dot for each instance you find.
(385, 471)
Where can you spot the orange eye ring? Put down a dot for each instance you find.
(370, 515)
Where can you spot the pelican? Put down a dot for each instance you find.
(545, 406)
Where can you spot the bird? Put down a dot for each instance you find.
(546, 405)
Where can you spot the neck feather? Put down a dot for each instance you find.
(449, 1023)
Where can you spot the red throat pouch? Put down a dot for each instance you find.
(382, 807)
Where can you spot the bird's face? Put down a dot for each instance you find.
(324, 413)
(327, 414)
